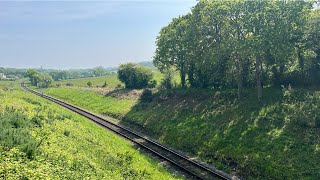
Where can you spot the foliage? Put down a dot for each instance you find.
(39, 79)
(15, 73)
(89, 83)
(105, 84)
(167, 81)
(239, 44)
(69, 84)
(146, 95)
(134, 76)
(59, 75)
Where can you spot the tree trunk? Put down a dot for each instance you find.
(258, 77)
(191, 75)
(183, 77)
(301, 61)
(239, 77)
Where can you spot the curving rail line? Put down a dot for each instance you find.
(195, 169)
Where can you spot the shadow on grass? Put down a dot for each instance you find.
(254, 139)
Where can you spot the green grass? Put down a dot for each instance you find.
(108, 106)
(274, 139)
(41, 140)
(111, 80)
(5, 84)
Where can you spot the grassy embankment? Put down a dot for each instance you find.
(41, 140)
(276, 139)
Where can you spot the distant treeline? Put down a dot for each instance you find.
(59, 74)
(243, 43)
(9, 72)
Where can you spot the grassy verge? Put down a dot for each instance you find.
(41, 140)
(274, 139)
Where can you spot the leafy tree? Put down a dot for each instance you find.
(134, 76)
(38, 79)
(99, 71)
(89, 83)
(172, 47)
(241, 43)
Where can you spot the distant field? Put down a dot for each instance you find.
(6, 84)
(112, 80)
(41, 140)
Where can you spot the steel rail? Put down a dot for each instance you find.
(209, 173)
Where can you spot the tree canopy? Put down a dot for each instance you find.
(243, 43)
(134, 76)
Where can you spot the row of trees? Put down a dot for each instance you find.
(38, 79)
(243, 43)
(13, 73)
(58, 75)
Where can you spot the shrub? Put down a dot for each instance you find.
(105, 84)
(167, 83)
(152, 84)
(118, 86)
(146, 95)
(89, 83)
(58, 85)
(134, 76)
(69, 84)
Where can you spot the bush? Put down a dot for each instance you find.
(89, 83)
(134, 76)
(69, 84)
(146, 95)
(105, 84)
(58, 85)
(152, 84)
(167, 83)
(118, 86)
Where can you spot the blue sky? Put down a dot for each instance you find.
(80, 34)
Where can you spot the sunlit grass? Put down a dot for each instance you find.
(46, 141)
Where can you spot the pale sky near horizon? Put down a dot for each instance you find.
(83, 34)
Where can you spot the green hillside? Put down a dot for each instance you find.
(274, 139)
(41, 140)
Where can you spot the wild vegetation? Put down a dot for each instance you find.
(135, 76)
(38, 79)
(40, 140)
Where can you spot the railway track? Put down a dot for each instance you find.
(195, 169)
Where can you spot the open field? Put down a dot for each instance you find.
(112, 80)
(276, 139)
(39, 139)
